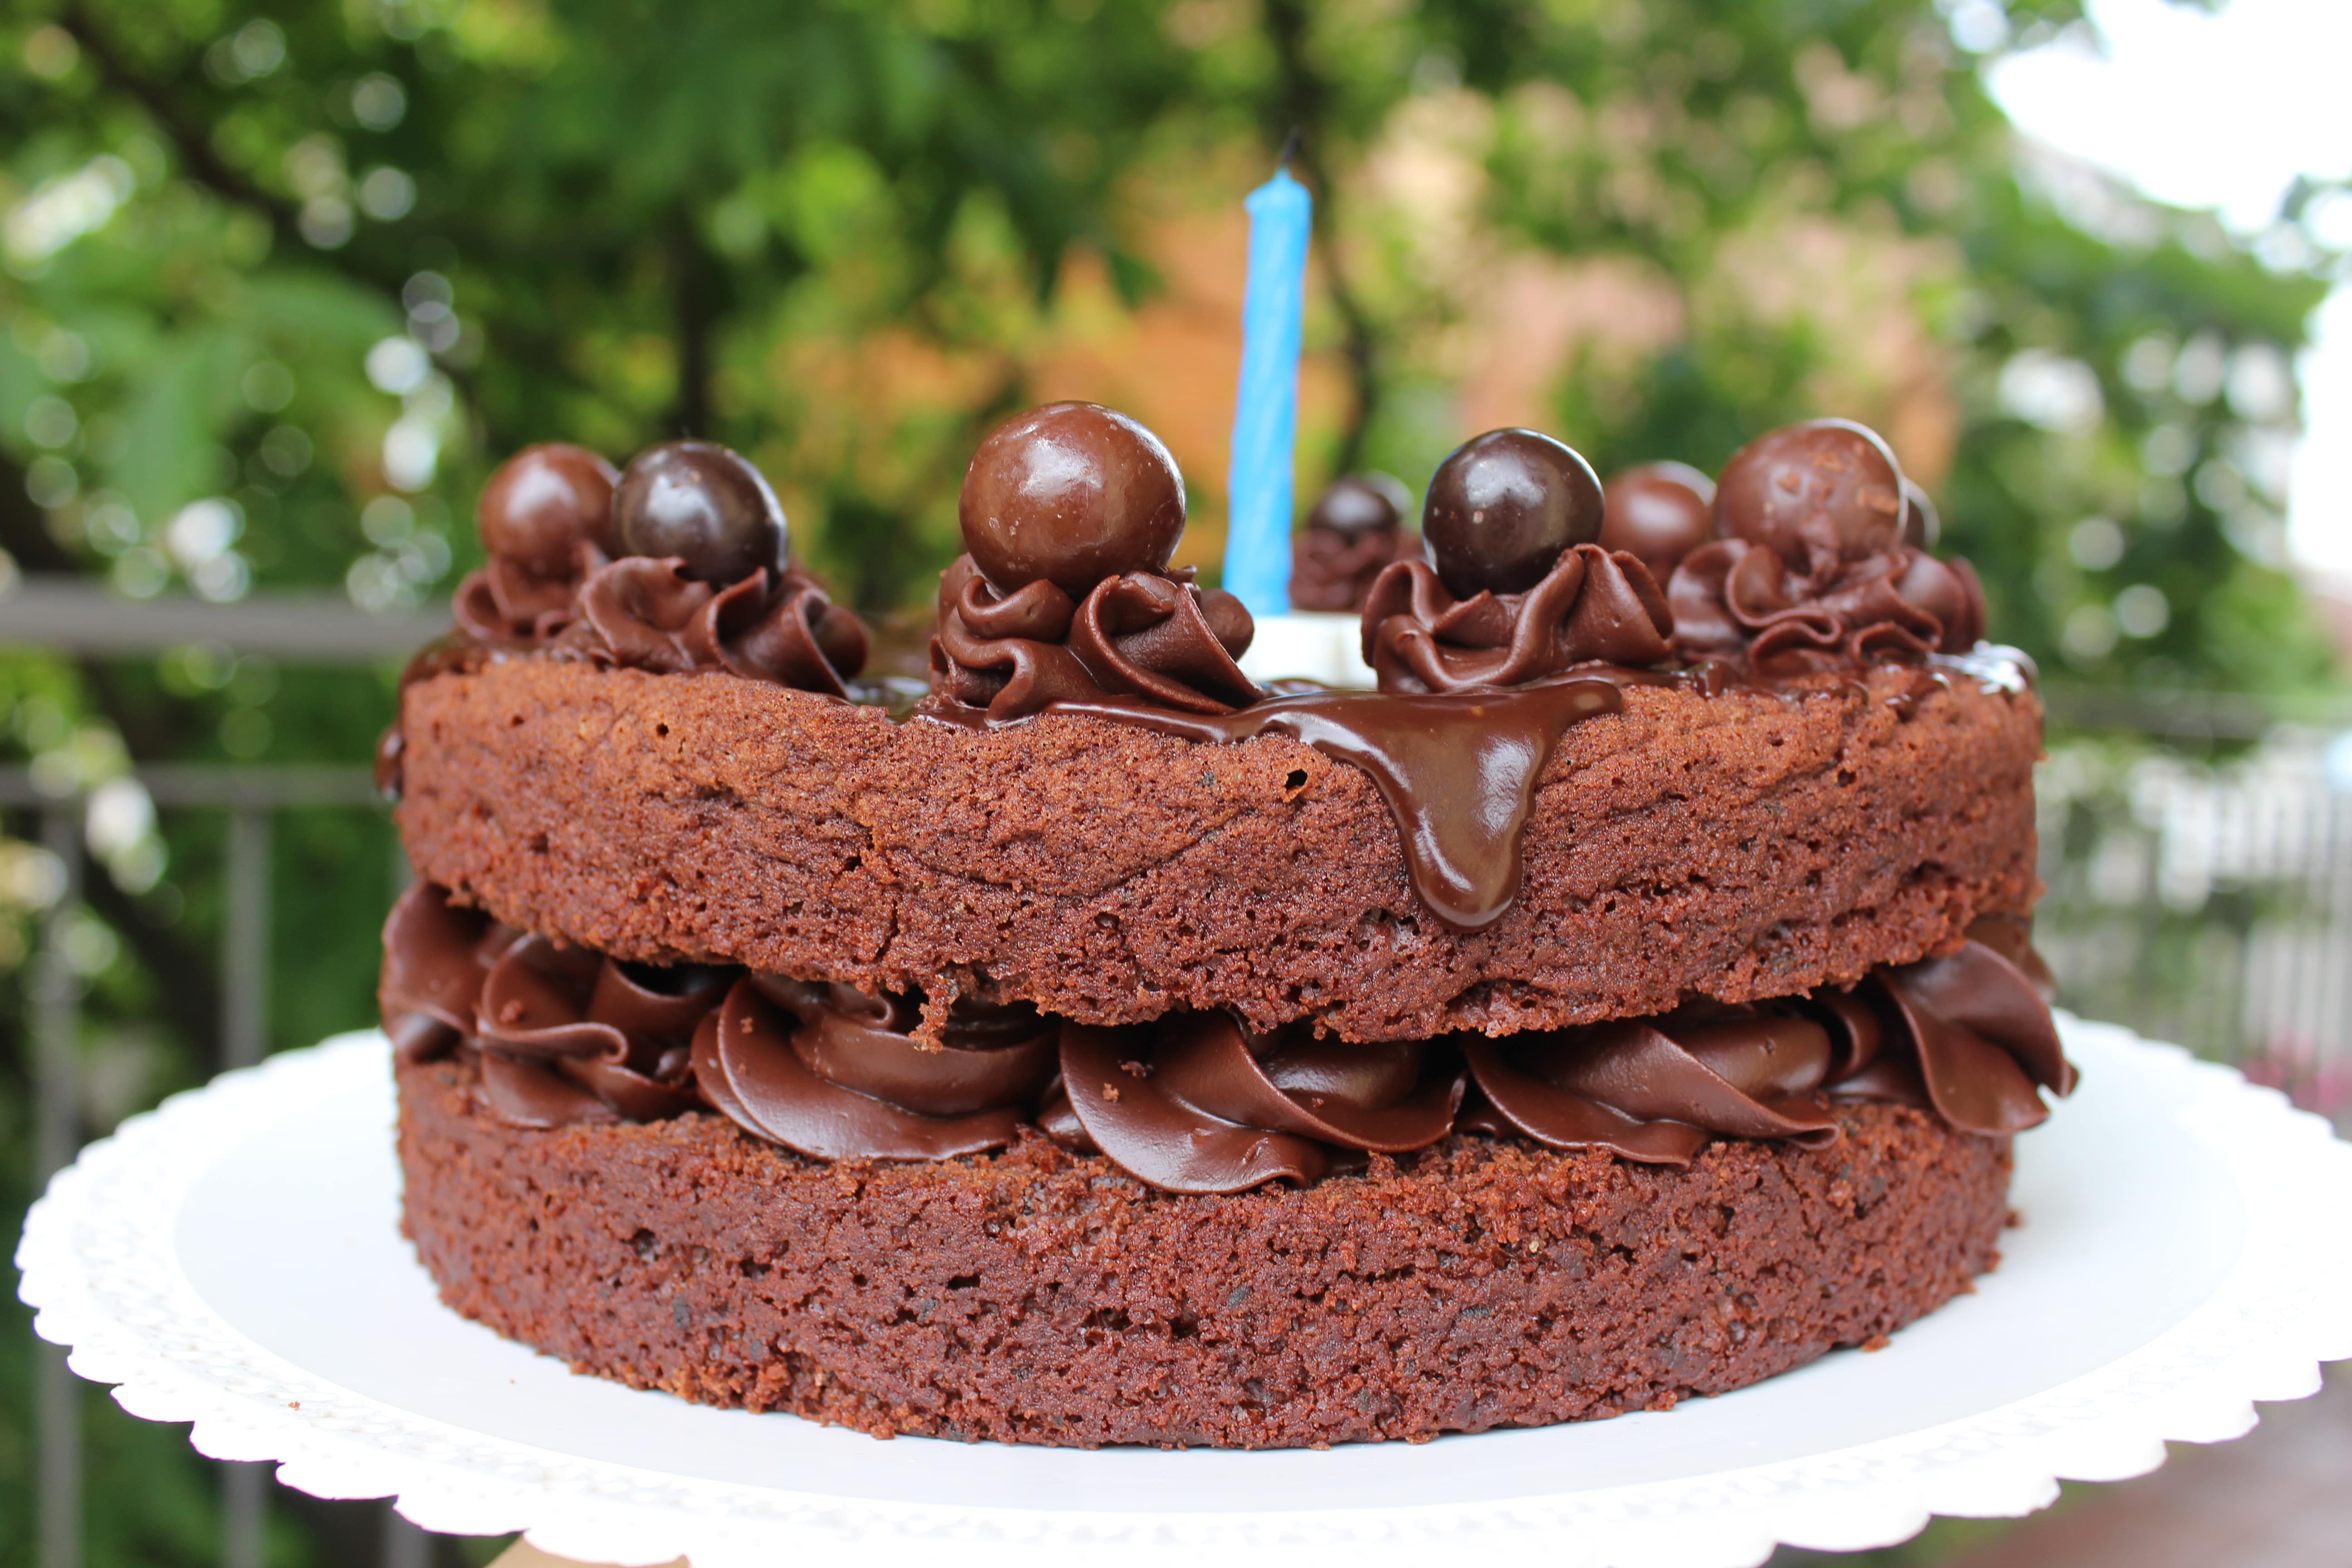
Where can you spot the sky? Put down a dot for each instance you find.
(2219, 111)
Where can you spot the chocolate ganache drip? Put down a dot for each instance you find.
(1070, 513)
(1816, 566)
(1196, 1104)
(1457, 769)
(1519, 590)
(1356, 530)
(1075, 501)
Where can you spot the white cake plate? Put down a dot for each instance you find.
(233, 1260)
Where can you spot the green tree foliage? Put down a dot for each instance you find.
(279, 283)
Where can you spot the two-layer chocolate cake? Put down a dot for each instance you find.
(1630, 998)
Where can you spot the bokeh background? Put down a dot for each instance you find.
(280, 284)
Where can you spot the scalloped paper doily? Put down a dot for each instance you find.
(232, 1259)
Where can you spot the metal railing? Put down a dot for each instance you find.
(79, 618)
(2210, 902)
(250, 797)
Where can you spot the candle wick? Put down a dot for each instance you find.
(1290, 145)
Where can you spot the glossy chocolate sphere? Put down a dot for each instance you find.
(705, 505)
(543, 502)
(1920, 524)
(1503, 508)
(1071, 493)
(1361, 503)
(1659, 512)
(1818, 493)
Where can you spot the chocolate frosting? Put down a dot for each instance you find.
(437, 955)
(2011, 936)
(505, 602)
(1193, 1104)
(1334, 571)
(1143, 635)
(1655, 1091)
(648, 614)
(1594, 605)
(561, 576)
(1735, 598)
(791, 1064)
(1966, 1035)
(1980, 1036)
(617, 1032)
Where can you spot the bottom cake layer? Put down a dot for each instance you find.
(1038, 1297)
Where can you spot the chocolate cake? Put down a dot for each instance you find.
(1630, 998)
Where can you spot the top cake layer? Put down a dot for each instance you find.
(1750, 844)
(1580, 793)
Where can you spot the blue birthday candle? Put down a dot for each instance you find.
(1265, 414)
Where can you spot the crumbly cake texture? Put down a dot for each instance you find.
(1743, 846)
(1036, 1297)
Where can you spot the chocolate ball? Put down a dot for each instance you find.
(1504, 506)
(1361, 503)
(1070, 493)
(543, 502)
(1818, 493)
(705, 505)
(1920, 524)
(1659, 512)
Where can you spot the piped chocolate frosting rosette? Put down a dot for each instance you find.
(709, 583)
(833, 1073)
(565, 1036)
(1354, 532)
(546, 521)
(1822, 560)
(1967, 1037)
(1657, 1089)
(1196, 1104)
(1520, 590)
(435, 956)
(681, 562)
(1070, 513)
(569, 1037)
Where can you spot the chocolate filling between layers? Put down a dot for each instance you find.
(1194, 1103)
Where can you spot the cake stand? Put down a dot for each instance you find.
(233, 1260)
